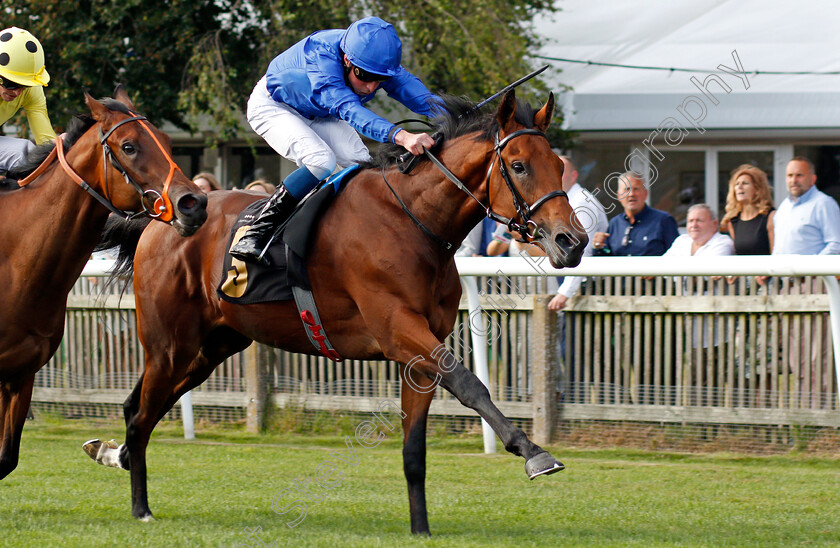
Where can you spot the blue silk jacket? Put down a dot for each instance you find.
(309, 77)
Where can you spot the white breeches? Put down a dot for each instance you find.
(319, 144)
(13, 151)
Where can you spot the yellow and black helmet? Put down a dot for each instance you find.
(22, 58)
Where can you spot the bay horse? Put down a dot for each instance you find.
(51, 226)
(385, 288)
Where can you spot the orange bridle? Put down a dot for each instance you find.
(162, 208)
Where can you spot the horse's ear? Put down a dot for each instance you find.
(97, 109)
(507, 109)
(543, 118)
(122, 96)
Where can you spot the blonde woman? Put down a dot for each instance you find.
(261, 185)
(749, 211)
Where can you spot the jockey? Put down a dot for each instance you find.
(309, 106)
(22, 80)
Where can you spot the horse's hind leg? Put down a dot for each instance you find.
(416, 394)
(14, 403)
(109, 453)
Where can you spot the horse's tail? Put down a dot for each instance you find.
(125, 235)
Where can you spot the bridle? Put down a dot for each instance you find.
(162, 208)
(527, 228)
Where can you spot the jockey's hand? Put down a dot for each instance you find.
(414, 142)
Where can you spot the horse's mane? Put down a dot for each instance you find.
(458, 116)
(78, 126)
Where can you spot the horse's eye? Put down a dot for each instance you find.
(128, 148)
(518, 168)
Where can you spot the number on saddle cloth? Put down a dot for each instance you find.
(249, 283)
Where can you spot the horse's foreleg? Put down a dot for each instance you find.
(152, 397)
(14, 403)
(158, 393)
(415, 405)
(470, 391)
(426, 355)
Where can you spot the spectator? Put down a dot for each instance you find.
(807, 223)
(808, 220)
(749, 211)
(207, 182)
(702, 236)
(641, 230)
(703, 239)
(261, 185)
(476, 242)
(591, 215)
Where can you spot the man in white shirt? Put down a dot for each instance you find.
(592, 217)
(702, 236)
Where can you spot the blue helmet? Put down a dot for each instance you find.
(373, 45)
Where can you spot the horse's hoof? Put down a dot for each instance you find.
(147, 518)
(106, 453)
(542, 464)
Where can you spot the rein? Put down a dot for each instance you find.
(527, 229)
(162, 204)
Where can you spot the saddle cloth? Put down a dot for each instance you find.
(250, 283)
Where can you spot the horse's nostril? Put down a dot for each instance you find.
(563, 241)
(188, 203)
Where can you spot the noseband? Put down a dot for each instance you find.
(162, 208)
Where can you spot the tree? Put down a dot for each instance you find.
(96, 44)
(194, 62)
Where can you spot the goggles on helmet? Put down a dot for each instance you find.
(9, 85)
(366, 76)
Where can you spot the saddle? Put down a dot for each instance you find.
(250, 283)
(285, 277)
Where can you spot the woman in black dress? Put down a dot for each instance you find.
(749, 211)
(749, 214)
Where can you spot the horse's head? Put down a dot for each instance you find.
(525, 185)
(138, 170)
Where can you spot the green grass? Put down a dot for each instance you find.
(208, 492)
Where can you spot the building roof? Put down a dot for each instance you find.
(769, 35)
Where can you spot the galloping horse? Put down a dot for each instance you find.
(385, 288)
(51, 226)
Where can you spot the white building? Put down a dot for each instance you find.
(695, 127)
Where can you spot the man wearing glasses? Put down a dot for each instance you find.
(640, 230)
(22, 80)
(310, 104)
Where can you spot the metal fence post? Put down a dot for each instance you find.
(187, 416)
(543, 361)
(479, 346)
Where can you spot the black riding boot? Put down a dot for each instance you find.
(276, 210)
